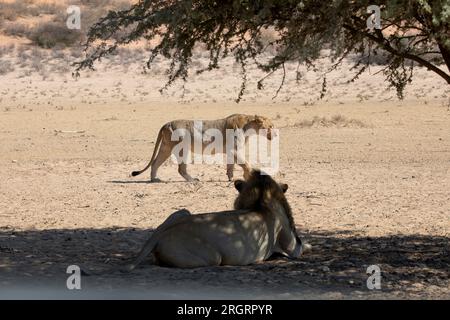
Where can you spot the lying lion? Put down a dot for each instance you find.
(261, 225)
(165, 144)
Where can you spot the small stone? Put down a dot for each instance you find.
(325, 269)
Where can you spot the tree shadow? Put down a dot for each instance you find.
(164, 181)
(338, 261)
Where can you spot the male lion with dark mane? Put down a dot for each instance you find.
(261, 225)
(165, 144)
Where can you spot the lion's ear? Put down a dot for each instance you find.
(239, 185)
(284, 187)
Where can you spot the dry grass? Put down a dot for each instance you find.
(20, 8)
(5, 67)
(52, 32)
(16, 29)
(335, 121)
(7, 49)
(49, 35)
(12, 10)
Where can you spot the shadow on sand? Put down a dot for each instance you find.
(166, 181)
(338, 260)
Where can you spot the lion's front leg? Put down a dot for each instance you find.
(244, 165)
(289, 243)
(236, 157)
(246, 169)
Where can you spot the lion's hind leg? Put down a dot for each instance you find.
(163, 154)
(174, 217)
(182, 253)
(146, 251)
(182, 170)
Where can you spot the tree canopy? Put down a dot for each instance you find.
(413, 32)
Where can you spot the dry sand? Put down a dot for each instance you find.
(372, 188)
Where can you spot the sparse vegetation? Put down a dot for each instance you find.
(335, 121)
(12, 10)
(49, 35)
(16, 29)
(19, 8)
(5, 67)
(305, 28)
(7, 49)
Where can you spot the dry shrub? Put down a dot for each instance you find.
(6, 49)
(6, 67)
(23, 56)
(48, 8)
(20, 8)
(12, 10)
(335, 121)
(55, 33)
(51, 34)
(93, 10)
(16, 29)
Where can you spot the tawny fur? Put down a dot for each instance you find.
(261, 225)
(164, 144)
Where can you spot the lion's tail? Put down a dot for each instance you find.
(157, 145)
(146, 250)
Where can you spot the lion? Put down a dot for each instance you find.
(260, 225)
(164, 143)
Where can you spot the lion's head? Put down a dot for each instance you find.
(259, 191)
(261, 123)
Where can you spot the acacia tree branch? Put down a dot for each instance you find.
(385, 44)
(233, 28)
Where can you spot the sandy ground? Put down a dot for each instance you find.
(371, 190)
